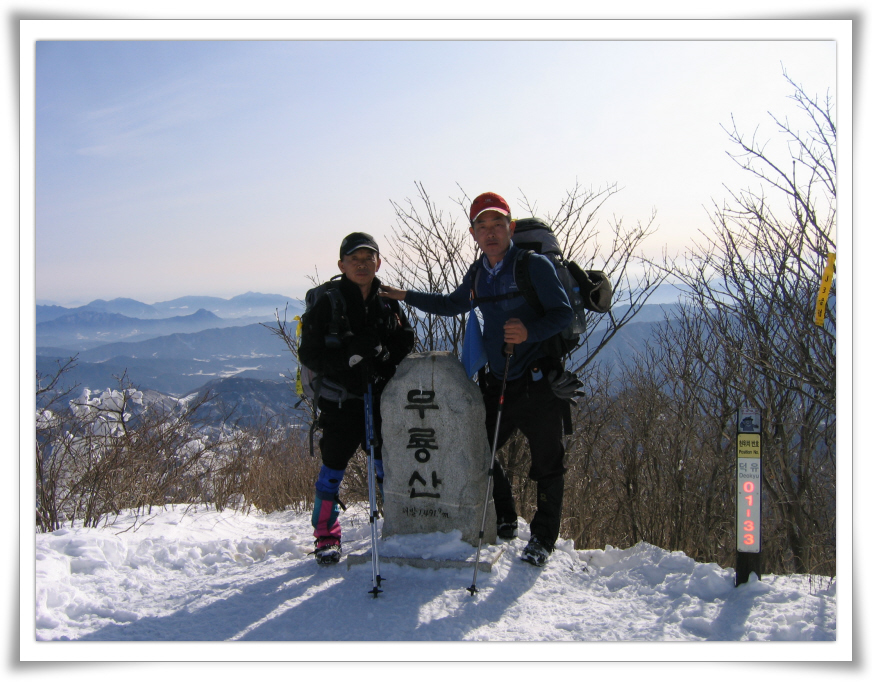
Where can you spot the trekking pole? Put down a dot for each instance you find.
(370, 475)
(510, 349)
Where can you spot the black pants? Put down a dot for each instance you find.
(531, 407)
(343, 429)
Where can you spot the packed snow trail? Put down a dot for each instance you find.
(197, 574)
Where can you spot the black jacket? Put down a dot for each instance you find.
(370, 323)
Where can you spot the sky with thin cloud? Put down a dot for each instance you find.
(168, 168)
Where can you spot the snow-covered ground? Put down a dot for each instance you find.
(195, 574)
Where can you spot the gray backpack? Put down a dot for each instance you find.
(587, 290)
(313, 385)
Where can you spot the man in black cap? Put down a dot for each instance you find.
(374, 338)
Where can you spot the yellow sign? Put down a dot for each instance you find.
(748, 446)
(827, 280)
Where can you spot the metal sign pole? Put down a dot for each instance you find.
(749, 489)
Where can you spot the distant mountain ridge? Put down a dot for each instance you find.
(238, 358)
(101, 322)
(242, 305)
(244, 401)
(87, 328)
(242, 340)
(178, 363)
(250, 304)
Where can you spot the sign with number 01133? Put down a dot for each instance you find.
(748, 490)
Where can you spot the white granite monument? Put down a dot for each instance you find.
(435, 450)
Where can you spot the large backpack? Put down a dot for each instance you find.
(310, 384)
(586, 289)
(313, 385)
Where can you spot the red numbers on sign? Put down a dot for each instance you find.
(748, 529)
(748, 487)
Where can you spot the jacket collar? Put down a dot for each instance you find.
(349, 287)
(505, 262)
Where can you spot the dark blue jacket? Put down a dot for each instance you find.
(558, 312)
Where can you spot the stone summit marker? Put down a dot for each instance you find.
(436, 458)
(435, 450)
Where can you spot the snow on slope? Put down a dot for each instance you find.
(192, 574)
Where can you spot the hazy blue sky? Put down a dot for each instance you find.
(198, 167)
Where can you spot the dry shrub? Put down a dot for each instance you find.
(280, 472)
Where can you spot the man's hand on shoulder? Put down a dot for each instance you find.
(392, 293)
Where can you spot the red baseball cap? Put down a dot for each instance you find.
(489, 201)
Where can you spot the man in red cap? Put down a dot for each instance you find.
(529, 404)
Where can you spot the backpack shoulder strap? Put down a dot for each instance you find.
(474, 270)
(337, 301)
(525, 282)
(394, 306)
(337, 306)
(394, 314)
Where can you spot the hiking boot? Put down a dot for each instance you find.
(536, 553)
(327, 550)
(507, 530)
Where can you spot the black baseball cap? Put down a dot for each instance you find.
(355, 241)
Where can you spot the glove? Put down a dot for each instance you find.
(381, 355)
(565, 385)
(365, 345)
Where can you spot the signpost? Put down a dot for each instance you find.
(749, 477)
